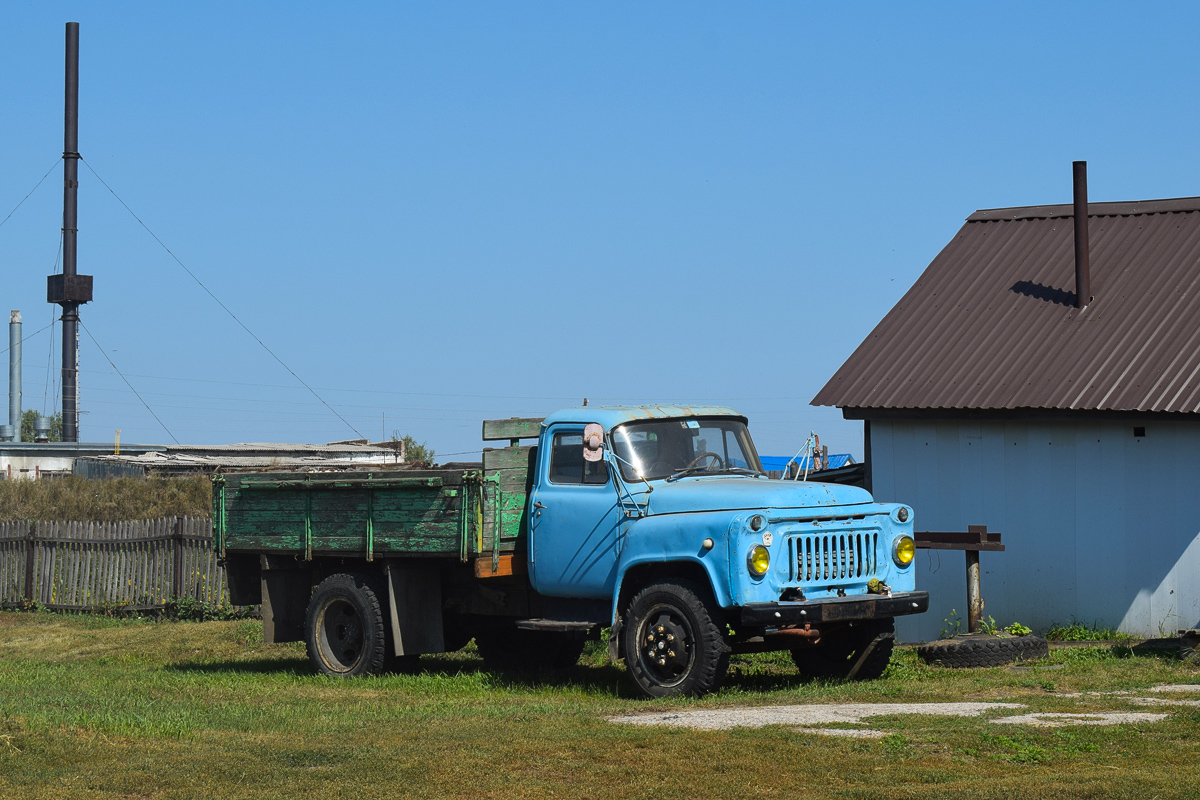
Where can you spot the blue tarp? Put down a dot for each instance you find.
(778, 463)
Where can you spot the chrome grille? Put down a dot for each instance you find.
(833, 556)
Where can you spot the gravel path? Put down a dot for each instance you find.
(714, 719)
(810, 718)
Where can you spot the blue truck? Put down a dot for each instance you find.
(654, 523)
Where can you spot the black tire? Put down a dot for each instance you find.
(970, 650)
(344, 628)
(506, 648)
(672, 644)
(836, 656)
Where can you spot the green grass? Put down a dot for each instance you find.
(1076, 631)
(110, 708)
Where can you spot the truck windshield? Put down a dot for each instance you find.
(675, 447)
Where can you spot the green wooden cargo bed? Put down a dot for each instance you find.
(383, 512)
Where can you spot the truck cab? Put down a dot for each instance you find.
(666, 513)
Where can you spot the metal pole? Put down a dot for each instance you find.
(70, 315)
(14, 374)
(1083, 274)
(974, 592)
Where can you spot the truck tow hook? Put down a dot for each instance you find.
(808, 633)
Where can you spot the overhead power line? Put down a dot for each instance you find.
(217, 300)
(127, 383)
(31, 191)
(25, 339)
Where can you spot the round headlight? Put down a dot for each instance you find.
(902, 514)
(904, 550)
(758, 560)
(757, 522)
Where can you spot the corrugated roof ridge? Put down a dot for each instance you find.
(1120, 208)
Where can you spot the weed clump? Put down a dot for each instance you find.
(105, 500)
(1076, 631)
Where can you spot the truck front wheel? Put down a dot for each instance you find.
(344, 628)
(672, 644)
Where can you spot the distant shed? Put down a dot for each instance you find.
(988, 397)
(178, 459)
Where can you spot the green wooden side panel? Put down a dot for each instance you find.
(507, 481)
(514, 428)
(430, 512)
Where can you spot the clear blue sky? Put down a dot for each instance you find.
(442, 213)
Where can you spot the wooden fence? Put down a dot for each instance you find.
(139, 565)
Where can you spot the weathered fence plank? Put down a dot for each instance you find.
(133, 564)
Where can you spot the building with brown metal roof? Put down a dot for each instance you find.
(993, 394)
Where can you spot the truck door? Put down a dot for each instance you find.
(575, 522)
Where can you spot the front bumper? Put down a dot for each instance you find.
(837, 609)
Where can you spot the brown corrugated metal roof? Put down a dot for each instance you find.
(991, 323)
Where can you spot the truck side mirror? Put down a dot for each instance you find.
(593, 442)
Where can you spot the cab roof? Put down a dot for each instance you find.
(611, 416)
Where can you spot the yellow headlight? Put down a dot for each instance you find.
(758, 560)
(906, 550)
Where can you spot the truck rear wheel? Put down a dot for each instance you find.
(865, 645)
(344, 628)
(672, 644)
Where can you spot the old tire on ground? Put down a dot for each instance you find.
(837, 656)
(673, 645)
(344, 628)
(982, 650)
(506, 648)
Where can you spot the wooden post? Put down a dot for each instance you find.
(30, 549)
(973, 541)
(974, 592)
(974, 587)
(177, 548)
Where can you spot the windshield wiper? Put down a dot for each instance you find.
(682, 473)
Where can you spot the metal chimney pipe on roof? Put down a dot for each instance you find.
(1083, 276)
(14, 373)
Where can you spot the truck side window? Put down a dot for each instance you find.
(567, 464)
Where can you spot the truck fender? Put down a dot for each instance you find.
(647, 569)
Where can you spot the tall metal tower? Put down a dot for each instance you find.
(70, 290)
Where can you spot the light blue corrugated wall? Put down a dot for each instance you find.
(1100, 526)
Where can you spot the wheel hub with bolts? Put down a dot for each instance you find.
(665, 649)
